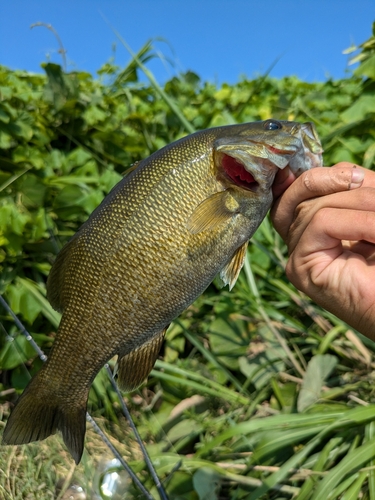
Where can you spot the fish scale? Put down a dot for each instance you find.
(145, 254)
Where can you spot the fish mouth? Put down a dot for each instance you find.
(278, 151)
(251, 165)
(310, 154)
(236, 171)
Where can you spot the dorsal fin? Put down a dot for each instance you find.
(230, 272)
(131, 169)
(134, 368)
(55, 279)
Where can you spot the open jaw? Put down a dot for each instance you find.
(236, 171)
(278, 151)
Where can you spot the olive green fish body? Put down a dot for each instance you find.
(146, 253)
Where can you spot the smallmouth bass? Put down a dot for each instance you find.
(153, 245)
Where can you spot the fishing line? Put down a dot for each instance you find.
(89, 418)
(116, 453)
(146, 456)
(23, 330)
(17, 349)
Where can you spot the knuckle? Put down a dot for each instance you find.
(369, 221)
(320, 217)
(367, 197)
(302, 213)
(309, 180)
(304, 208)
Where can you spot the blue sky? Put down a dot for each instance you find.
(220, 40)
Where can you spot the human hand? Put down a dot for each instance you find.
(327, 219)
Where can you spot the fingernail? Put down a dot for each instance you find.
(357, 177)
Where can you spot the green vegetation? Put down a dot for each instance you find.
(260, 394)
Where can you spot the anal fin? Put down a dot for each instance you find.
(133, 368)
(230, 272)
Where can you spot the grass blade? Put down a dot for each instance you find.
(349, 465)
(186, 124)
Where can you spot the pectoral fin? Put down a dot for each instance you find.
(230, 272)
(213, 211)
(134, 368)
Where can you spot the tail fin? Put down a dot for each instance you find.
(36, 416)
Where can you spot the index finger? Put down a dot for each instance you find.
(316, 182)
(283, 180)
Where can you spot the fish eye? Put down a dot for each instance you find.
(272, 125)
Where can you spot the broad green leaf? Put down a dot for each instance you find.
(206, 482)
(4, 117)
(368, 158)
(228, 340)
(90, 201)
(318, 370)
(33, 190)
(5, 139)
(29, 307)
(15, 352)
(108, 180)
(367, 68)
(39, 225)
(79, 157)
(183, 429)
(68, 196)
(60, 86)
(93, 115)
(181, 487)
(261, 368)
(46, 308)
(364, 105)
